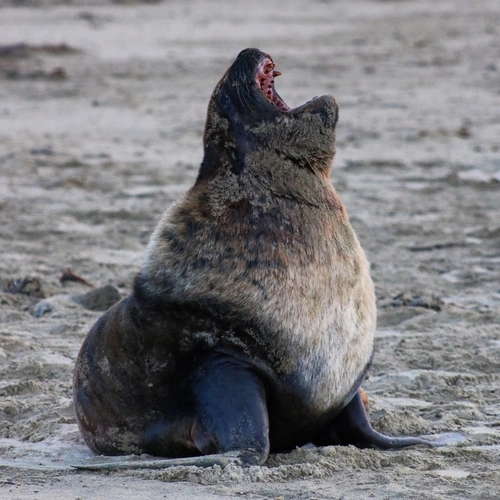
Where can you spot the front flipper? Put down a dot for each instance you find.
(231, 410)
(352, 426)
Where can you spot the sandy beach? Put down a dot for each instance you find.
(102, 109)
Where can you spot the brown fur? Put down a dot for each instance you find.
(313, 278)
(264, 236)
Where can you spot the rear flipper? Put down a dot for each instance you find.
(352, 426)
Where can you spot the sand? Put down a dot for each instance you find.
(102, 107)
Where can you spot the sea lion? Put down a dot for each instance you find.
(250, 325)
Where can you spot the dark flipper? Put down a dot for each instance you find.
(232, 411)
(352, 426)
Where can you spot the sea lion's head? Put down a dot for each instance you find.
(248, 121)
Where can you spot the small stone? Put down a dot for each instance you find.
(41, 308)
(99, 299)
(29, 285)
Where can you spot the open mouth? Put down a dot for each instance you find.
(265, 81)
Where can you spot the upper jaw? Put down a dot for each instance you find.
(264, 79)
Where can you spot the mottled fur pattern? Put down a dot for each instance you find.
(258, 264)
(274, 241)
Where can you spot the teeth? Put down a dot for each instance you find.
(265, 80)
(269, 67)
